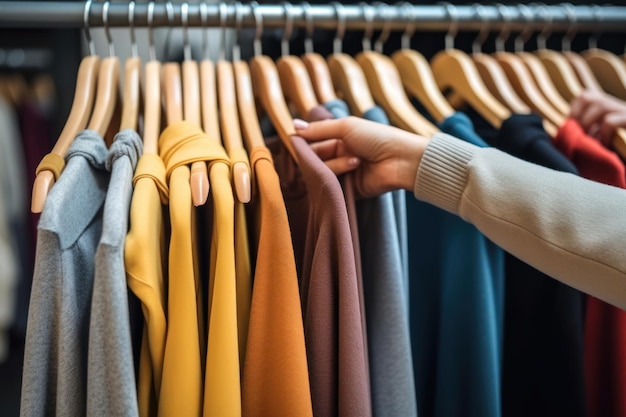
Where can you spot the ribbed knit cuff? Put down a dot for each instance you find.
(443, 172)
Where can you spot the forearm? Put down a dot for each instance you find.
(568, 227)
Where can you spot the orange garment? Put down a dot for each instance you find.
(144, 253)
(275, 375)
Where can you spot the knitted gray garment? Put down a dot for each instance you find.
(55, 359)
(111, 388)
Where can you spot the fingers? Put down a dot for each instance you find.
(609, 125)
(316, 131)
(343, 164)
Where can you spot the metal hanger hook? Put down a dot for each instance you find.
(505, 32)
(205, 36)
(546, 32)
(222, 13)
(566, 42)
(238, 20)
(453, 29)
(90, 43)
(409, 30)
(384, 10)
(284, 43)
(522, 38)
(368, 16)
(258, 19)
(151, 48)
(107, 30)
(134, 50)
(341, 26)
(184, 19)
(169, 8)
(479, 40)
(593, 39)
(308, 17)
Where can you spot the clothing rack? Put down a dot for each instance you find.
(31, 14)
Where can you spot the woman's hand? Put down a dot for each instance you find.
(383, 158)
(599, 114)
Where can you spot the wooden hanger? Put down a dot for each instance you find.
(346, 74)
(609, 69)
(199, 179)
(417, 77)
(544, 82)
(82, 104)
(386, 88)
(561, 73)
(108, 85)
(152, 91)
(315, 64)
(491, 72)
(294, 77)
(132, 71)
(582, 70)
(454, 70)
(250, 126)
(267, 88)
(229, 116)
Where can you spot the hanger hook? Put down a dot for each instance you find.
(409, 30)
(593, 39)
(169, 8)
(506, 27)
(258, 19)
(522, 38)
(385, 10)
(107, 31)
(205, 36)
(308, 17)
(222, 13)
(131, 24)
(238, 19)
(341, 26)
(368, 16)
(566, 42)
(477, 44)
(151, 48)
(90, 43)
(284, 43)
(546, 32)
(184, 19)
(453, 15)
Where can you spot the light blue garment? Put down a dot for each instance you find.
(54, 379)
(382, 235)
(457, 307)
(111, 387)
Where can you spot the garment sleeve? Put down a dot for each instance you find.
(568, 227)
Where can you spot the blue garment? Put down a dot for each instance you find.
(382, 237)
(457, 307)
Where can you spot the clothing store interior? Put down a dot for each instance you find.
(169, 247)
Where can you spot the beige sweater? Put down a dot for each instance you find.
(568, 227)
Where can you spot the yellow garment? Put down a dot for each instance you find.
(275, 375)
(143, 258)
(242, 264)
(181, 389)
(51, 162)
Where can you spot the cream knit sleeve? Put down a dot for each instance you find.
(568, 227)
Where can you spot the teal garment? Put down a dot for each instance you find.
(456, 307)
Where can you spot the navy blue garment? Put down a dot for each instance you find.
(456, 303)
(543, 338)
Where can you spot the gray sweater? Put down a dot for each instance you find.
(566, 226)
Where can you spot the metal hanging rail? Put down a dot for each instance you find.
(33, 14)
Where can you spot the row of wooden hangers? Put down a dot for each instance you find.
(213, 95)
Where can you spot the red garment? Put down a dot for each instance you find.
(605, 325)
